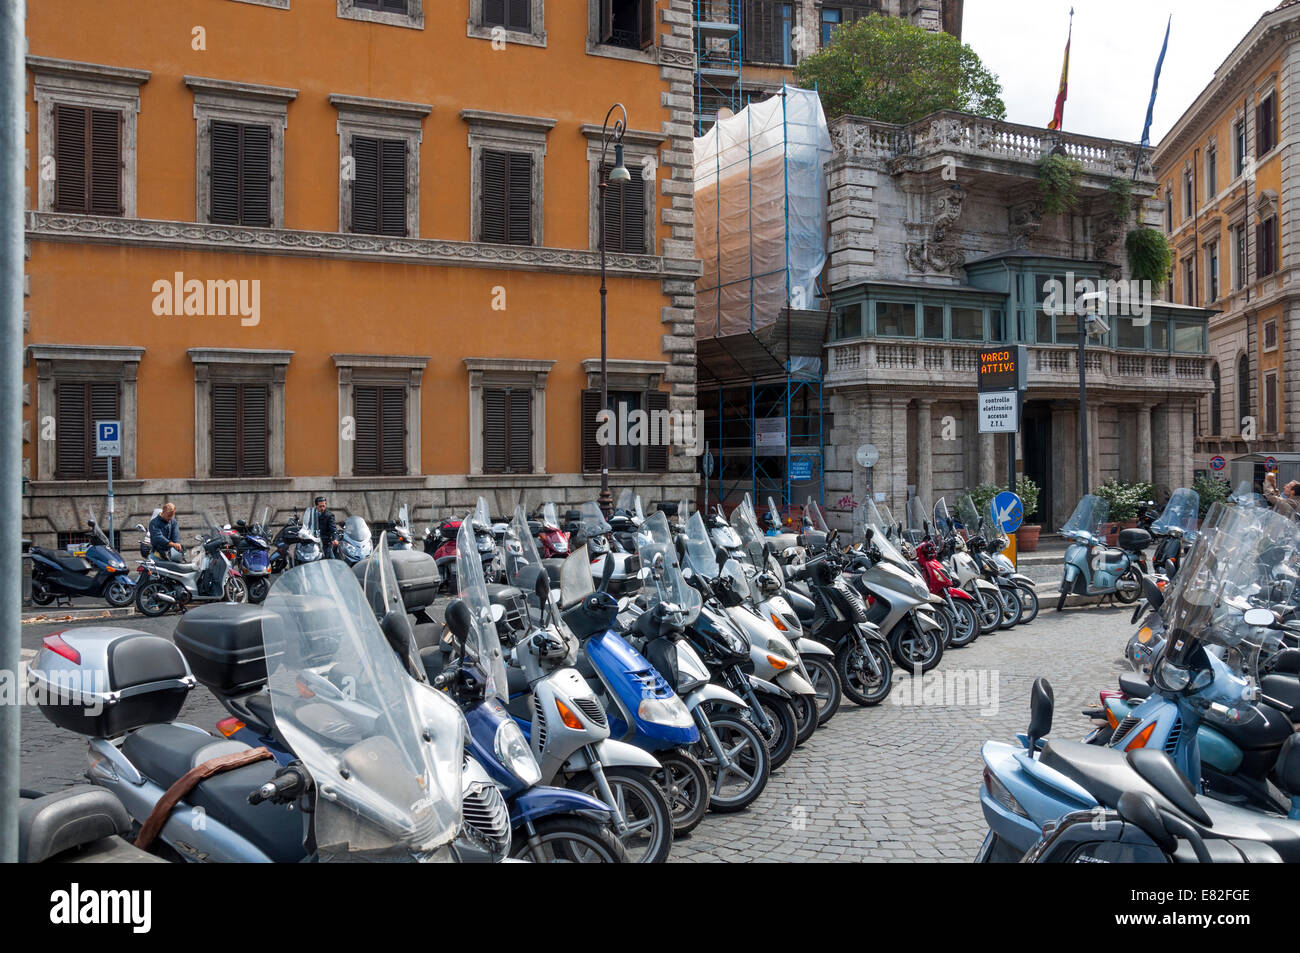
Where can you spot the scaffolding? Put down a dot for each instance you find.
(760, 213)
(717, 60)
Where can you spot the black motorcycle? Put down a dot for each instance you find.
(99, 572)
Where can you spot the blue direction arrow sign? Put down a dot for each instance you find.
(1008, 511)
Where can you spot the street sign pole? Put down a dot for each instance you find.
(108, 444)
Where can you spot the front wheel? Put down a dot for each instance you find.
(567, 839)
(1011, 607)
(966, 623)
(805, 717)
(649, 834)
(120, 593)
(258, 588)
(780, 715)
(826, 682)
(989, 611)
(686, 783)
(1028, 604)
(916, 648)
(736, 785)
(148, 598)
(863, 686)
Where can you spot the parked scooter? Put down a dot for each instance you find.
(963, 567)
(98, 571)
(253, 556)
(356, 544)
(210, 576)
(552, 541)
(1091, 567)
(1175, 531)
(378, 757)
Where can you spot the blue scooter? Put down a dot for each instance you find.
(98, 572)
(254, 556)
(1094, 569)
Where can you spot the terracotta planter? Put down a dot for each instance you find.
(1027, 538)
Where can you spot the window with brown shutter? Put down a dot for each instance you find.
(628, 23)
(625, 219)
(240, 428)
(507, 430)
(379, 447)
(382, 6)
(1265, 125)
(87, 160)
(766, 27)
(78, 404)
(379, 186)
(1266, 247)
(639, 458)
(507, 200)
(240, 173)
(514, 15)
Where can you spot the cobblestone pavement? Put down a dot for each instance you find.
(896, 782)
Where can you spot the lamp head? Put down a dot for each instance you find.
(619, 173)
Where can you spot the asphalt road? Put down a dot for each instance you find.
(895, 782)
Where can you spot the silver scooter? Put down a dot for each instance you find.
(210, 575)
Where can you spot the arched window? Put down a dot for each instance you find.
(1216, 402)
(1243, 388)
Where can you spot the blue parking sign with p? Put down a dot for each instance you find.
(108, 438)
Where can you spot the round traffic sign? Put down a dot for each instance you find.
(1008, 511)
(1217, 463)
(868, 455)
(1271, 464)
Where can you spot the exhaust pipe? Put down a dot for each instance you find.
(164, 597)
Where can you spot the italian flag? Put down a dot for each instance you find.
(1059, 112)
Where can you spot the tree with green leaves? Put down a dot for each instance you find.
(885, 68)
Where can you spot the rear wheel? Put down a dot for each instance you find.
(148, 598)
(966, 623)
(649, 834)
(568, 839)
(863, 686)
(1130, 595)
(40, 595)
(826, 681)
(1028, 604)
(236, 589)
(120, 593)
(685, 782)
(736, 786)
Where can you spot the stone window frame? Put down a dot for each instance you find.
(55, 362)
(513, 372)
(238, 365)
(627, 375)
(93, 85)
(383, 119)
(508, 133)
(475, 28)
(596, 48)
(381, 369)
(1263, 336)
(412, 19)
(636, 146)
(247, 103)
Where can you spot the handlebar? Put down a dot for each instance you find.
(287, 784)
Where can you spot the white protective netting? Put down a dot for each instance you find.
(760, 212)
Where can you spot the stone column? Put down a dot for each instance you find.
(1144, 443)
(988, 464)
(1094, 445)
(924, 458)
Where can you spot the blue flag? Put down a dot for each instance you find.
(1155, 83)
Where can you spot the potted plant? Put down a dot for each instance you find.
(982, 496)
(1027, 535)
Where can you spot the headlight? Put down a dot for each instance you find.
(735, 643)
(1171, 677)
(513, 751)
(665, 711)
(485, 544)
(561, 546)
(784, 651)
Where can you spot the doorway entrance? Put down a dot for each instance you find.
(1036, 432)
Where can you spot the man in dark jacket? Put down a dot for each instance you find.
(325, 528)
(165, 535)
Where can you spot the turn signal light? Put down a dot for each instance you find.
(778, 623)
(1141, 740)
(229, 726)
(1144, 634)
(568, 717)
(776, 662)
(1111, 719)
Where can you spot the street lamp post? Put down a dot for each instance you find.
(620, 175)
(1083, 408)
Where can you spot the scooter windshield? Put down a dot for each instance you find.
(918, 519)
(262, 521)
(483, 640)
(481, 518)
(745, 523)
(356, 530)
(774, 515)
(307, 530)
(385, 762)
(1088, 517)
(97, 537)
(943, 521)
(591, 521)
(521, 551)
(664, 582)
(1180, 512)
(1230, 570)
(550, 518)
(876, 523)
(816, 518)
(700, 556)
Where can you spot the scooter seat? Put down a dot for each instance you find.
(1285, 688)
(165, 753)
(1103, 772)
(75, 817)
(1135, 686)
(66, 560)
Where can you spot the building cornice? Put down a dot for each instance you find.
(230, 88)
(150, 233)
(49, 66)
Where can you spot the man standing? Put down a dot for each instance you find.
(325, 528)
(1287, 499)
(165, 535)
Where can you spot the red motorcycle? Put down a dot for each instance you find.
(958, 603)
(551, 539)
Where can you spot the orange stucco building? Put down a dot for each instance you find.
(350, 247)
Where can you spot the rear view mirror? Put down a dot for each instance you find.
(458, 620)
(607, 572)
(1041, 703)
(1260, 618)
(1140, 810)
(140, 527)
(497, 612)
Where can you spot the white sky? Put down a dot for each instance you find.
(1112, 57)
